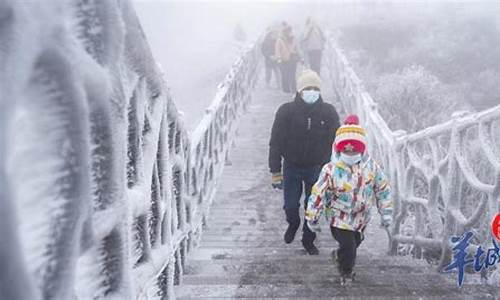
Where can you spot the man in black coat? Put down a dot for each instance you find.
(302, 135)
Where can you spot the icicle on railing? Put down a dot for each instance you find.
(105, 191)
(429, 169)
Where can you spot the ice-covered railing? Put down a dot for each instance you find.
(450, 182)
(102, 190)
(445, 179)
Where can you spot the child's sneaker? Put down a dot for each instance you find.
(345, 277)
(335, 256)
(343, 280)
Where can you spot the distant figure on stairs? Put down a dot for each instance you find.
(287, 57)
(302, 135)
(268, 51)
(312, 42)
(347, 188)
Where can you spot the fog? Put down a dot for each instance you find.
(458, 43)
(194, 42)
(102, 194)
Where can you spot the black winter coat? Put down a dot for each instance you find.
(303, 133)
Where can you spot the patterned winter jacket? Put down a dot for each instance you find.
(346, 194)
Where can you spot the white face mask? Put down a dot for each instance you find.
(350, 159)
(310, 96)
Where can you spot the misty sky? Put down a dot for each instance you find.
(194, 43)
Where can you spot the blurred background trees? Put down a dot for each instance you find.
(423, 66)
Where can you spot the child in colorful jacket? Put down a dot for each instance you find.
(347, 188)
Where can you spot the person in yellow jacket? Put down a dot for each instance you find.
(346, 190)
(287, 56)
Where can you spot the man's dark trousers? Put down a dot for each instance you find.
(297, 179)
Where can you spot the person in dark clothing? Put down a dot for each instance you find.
(302, 135)
(267, 49)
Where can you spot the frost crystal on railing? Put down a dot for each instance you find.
(445, 179)
(102, 191)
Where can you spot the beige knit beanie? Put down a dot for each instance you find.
(308, 78)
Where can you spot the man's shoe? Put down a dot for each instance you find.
(290, 233)
(310, 248)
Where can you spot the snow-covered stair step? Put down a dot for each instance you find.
(313, 277)
(291, 272)
(301, 264)
(326, 289)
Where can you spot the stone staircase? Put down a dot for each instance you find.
(242, 253)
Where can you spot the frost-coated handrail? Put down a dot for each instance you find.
(428, 168)
(104, 189)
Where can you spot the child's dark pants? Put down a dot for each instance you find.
(349, 241)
